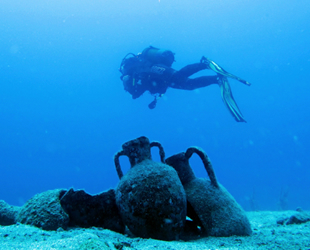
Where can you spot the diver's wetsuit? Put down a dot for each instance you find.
(158, 78)
(180, 80)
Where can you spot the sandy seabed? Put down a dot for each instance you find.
(267, 234)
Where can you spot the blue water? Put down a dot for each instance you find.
(64, 113)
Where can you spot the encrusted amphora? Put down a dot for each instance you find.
(150, 196)
(209, 203)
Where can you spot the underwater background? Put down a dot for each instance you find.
(64, 112)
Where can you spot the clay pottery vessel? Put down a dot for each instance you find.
(209, 203)
(150, 196)
(87, 210)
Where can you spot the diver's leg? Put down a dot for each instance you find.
(190, 84)
(190, 70)
(180, 80)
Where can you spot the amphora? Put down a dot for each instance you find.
(150, 196)
(209, 203)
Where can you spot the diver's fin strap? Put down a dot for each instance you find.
(218, 69)
(229, 100)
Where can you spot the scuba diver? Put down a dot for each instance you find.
(151, 71)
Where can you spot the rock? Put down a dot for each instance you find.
(8, 213)
(299, 218)
(282, 221)
(44, 211)
(87, 210)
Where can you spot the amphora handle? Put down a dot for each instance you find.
(122, 152)
(117, 164)
(206, 162)
(161, 150)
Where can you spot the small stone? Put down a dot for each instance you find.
(299, 218)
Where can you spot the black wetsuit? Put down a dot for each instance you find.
(157, 78)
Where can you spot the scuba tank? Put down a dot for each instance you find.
(149, 55)
(158, 56)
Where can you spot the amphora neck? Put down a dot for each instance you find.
(137, 150)
(181, 164)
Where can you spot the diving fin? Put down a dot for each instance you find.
(218, 69)
(228, 99)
